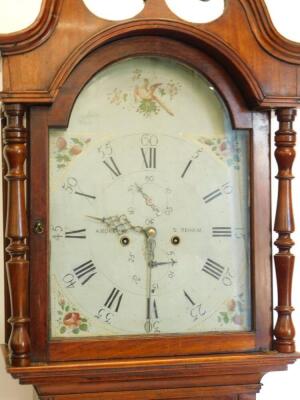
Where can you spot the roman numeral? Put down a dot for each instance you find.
(149, 308)
(85, 272)
(221, 231)
(79, 234)
(112, 166)
(149, 156)
(186, 168)
(213, 269)
(114, 299)
(86, 195)
(211, 196)
(189, 298)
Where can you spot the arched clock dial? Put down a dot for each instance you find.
(149, 219)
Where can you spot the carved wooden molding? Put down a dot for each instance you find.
(33, 36)
(256, 10)
(17, 266)
(167, 29)
(285, 140)
(234, 376)
(266, 33)
(59, 18)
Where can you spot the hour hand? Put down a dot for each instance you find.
(118, 223)
(95, 218)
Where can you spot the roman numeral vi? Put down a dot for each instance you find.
(150, 307)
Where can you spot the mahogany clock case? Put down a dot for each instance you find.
(226, 365)
(57, 115)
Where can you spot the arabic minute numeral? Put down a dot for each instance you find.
(70, 281)
(148, 140)
(227, 188)
(105, 315)
(105, 150)
(227, 278)
(57, 232)
(197, 312)
(70, 185)
(240, 233)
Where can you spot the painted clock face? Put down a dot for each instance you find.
(149, 207)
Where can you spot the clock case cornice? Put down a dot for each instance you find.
(59, 19)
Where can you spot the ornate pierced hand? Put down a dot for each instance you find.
(118, 224)
(148, 200)
(150, 245)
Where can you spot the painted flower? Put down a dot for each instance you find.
(234, 312)
(231, 305)
(75, 150)
(238, 319)
(61, 143)
(72, 320)
(150, 96)
(223, 146)
(61, 301)
(66, 149)
(227, 150)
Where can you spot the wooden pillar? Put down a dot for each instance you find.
(17, 266)
(5, 240)
(285, 140)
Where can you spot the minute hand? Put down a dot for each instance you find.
(157, 263)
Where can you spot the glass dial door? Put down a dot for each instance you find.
(149, 207)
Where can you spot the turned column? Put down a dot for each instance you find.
(17, 266)
(285, 140)
(5, 241)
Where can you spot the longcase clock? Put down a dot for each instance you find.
(137, 203)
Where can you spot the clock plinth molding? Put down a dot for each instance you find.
(215, 377)
(45, 96)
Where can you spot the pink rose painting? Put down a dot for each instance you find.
(234, 312)
(69, 319)
(226, 149)
(67, 149)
